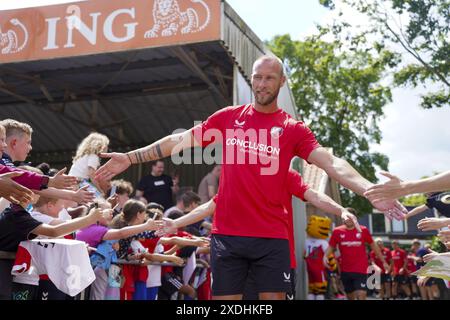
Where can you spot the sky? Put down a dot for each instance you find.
(417, 141)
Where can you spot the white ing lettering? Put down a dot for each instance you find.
(130, 27)
(51, 36)
(89, 29)
(89, 34)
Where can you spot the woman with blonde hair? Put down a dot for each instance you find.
(87, 160)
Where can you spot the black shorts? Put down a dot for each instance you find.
(385, 278)
(354, 281)
(48, 291)
(251, 293)
(401, 279)
(170, 283)
(5, 278)
(233, 258)
(431, 282)
(21, 291)
(292, 292)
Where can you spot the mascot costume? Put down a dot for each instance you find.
(316, 245)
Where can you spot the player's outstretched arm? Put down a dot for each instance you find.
(119, 162)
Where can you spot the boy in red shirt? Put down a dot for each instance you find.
(386, 279)
(399, 256)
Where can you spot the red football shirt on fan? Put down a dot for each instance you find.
(294, 187)
(352, 246)
(257, 149)
(180, 234)
(398, 256)
(387, 257)
(141, 272)
(411, 264)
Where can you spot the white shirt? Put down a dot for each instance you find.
(80, 168)
(31, 277)
(154, 271)
(313, 243)
(41, 217)
(66, 262)
(64, 215)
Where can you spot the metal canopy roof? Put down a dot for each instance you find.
(134, 97)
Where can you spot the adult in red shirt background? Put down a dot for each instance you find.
(354, 261)
(385, 274)
(400, 272)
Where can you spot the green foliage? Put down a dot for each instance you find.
(437, 245)
(414, 200)
(339, 93)
(421, 29)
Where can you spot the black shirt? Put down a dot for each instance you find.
(157, 189)
(434, 201)
(15, 227)
(7, 161)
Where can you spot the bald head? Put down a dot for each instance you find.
(271, 61)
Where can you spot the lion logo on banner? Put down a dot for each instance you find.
(168, 19)
(9, 40)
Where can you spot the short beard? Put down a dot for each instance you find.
(269, 99)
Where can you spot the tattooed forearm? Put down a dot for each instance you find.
(161, 149)
(158, 151)
(147, 154)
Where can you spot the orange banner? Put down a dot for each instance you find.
(99, 26)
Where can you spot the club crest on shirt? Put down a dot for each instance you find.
(342, 236)
(358, 235)
(276, 132)
(238, 124)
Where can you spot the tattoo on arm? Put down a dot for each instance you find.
(140, 158)
(158, 151)
(147, 154)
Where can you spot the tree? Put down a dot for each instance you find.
(338, 92)
(421, 28)
(414, 200)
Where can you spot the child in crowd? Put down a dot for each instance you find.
(172, 282)
(87, 160)
(94, 234)
(148, 278)
(121, 191)
(133, 213)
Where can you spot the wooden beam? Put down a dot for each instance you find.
(16, 95)
(46, 92)
(194, 67)
(220, 78)
(118, 91)
(38, 80)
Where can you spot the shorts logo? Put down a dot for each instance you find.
(287, 277)
(276, 132)
(363, 285)
(238, 124)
